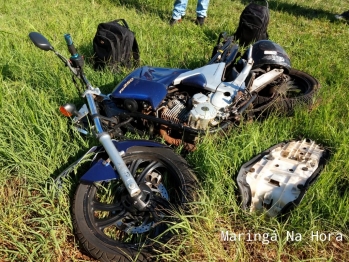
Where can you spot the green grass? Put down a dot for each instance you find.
(36, 142)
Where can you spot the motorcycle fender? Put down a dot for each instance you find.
(102, 170)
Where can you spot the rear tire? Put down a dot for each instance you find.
(105, 226)
(287, 92)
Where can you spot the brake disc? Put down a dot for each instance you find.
(156, 186)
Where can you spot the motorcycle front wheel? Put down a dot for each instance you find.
(285, 93)
(111, 229)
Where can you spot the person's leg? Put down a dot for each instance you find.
(201, 11)
(179, 8)
(201, 8)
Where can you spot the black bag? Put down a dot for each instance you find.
(253, 23)
(115, 45)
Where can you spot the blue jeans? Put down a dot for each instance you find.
(181, 5)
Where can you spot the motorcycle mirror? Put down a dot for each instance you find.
(40, 41)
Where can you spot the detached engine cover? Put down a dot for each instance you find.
(276, 180)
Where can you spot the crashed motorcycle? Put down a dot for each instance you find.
(182, 104)
(131, 189)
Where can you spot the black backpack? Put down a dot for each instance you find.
(114, 45)
(253, 23)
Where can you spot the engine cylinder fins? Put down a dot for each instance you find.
(175, 112)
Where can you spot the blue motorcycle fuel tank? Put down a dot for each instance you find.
(147, 84)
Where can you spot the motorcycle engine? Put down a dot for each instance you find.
(199, 112)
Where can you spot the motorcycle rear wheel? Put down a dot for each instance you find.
(283, 95)
(109, 231)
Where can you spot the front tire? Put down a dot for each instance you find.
(112, 231)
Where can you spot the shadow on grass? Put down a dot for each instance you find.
(6, 72)
(297, 10)
(291, 8)
(145, 7)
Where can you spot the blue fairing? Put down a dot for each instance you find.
(148, 84)
(102, 171)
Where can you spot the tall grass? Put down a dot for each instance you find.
(36, 143)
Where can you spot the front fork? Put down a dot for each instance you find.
(114, 155)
